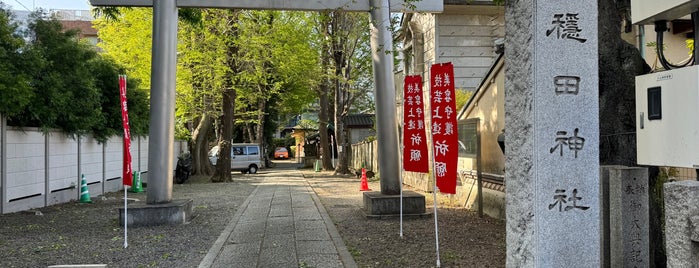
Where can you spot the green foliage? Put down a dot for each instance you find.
(201, 70)
(279, 64)
(308, 124)
(68, 98)
(106, 73)
(462, 97)
(128, 40)
(15, 89)
(61, 83)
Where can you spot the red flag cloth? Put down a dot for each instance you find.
(415, 157)
(127, 177)
(444, 126)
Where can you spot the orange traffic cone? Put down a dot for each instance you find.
(365, 185)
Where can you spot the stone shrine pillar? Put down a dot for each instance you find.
(682, 223)
(552, 122)
(629, 238)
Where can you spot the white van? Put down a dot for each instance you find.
(245, 157)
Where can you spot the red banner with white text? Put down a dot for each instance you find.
(444, 126)
(127, 177)
(415, 157)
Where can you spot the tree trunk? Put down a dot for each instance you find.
(223, 164)
(323, 114)
(619, 64)
(340, 135)
(200, 147)
(250, 137)
(260, 133)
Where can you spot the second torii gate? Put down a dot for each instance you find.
(163, 69)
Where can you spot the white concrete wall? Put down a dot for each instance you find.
(39, 170)
(113, 158)
(142, 154)
(91, 160)
(26, 172)
(63, 162)
(63, 173)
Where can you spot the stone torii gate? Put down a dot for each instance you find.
(163, 69)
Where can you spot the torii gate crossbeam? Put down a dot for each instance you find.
(302, 5)
(163, 68)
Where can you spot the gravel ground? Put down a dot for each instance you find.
(74, 233)
(465, 240)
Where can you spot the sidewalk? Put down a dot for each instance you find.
(281, 224)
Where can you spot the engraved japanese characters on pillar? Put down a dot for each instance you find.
(566, 129)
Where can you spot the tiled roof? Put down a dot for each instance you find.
(359, 121)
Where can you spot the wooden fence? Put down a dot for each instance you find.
(365, 153)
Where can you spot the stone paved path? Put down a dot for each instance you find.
(281, 224)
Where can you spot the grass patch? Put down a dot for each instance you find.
(354, 251)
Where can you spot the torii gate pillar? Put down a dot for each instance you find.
(162, 102)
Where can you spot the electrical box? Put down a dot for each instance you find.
(667, 118)
(649, 11)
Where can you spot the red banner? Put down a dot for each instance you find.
(126, 175)
(415, 157)
(444, 126)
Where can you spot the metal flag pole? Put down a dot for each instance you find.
(126, 222)
(400, 175)
(434, 194)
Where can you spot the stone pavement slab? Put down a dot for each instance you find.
(281, 224)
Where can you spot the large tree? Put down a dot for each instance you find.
(126, 36)
(348, 43)
(200, 84)
(279, 68)
(15, 89)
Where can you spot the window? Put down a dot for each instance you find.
(253, 150)
(238, 150)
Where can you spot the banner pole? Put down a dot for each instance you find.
(126, 222)
(436, 228)
(400, 175)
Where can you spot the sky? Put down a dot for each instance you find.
(30, 5)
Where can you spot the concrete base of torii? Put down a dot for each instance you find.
(172, 213)
(378, 205)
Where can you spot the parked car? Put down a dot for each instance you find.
(281, 153)
(245, 157)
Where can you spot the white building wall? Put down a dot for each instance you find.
(468, 42)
